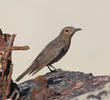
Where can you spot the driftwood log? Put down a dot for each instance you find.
(6, 66)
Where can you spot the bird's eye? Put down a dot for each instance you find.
(66, 30)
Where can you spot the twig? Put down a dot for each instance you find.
(20, 48)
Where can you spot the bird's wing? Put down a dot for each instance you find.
(49, 53)
(46, 57)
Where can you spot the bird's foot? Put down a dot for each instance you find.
(56, 70)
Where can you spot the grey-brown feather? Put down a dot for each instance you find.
(52, 53)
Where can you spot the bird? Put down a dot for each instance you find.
(52, 52)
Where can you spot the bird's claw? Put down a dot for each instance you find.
(57, 70)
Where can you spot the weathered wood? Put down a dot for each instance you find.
(6, 66)
(20, 48)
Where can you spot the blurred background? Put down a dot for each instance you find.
(37, 22)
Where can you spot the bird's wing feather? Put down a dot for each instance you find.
(46, 57)
(50, 52)
(39, 68)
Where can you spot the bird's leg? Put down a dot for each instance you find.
(55, 68)
(49, 68)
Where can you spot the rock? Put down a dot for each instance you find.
(37, 90)
(99, 94)
(66, 85)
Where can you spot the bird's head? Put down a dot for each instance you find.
(69, 32)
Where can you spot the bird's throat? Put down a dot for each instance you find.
(65, 37)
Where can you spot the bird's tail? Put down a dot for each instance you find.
(35, 70)
(33, 65)
(23, 74)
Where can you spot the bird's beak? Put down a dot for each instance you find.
(77, 29)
